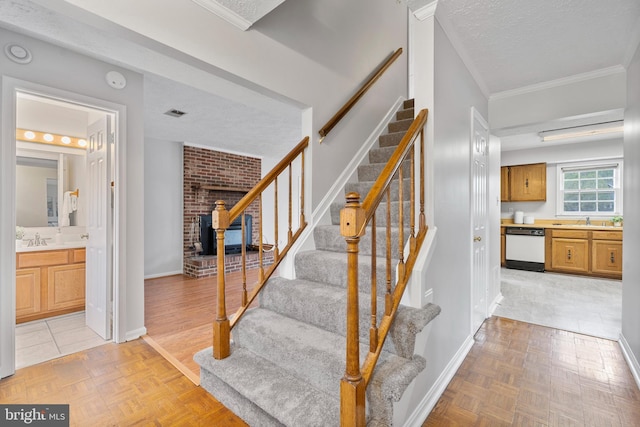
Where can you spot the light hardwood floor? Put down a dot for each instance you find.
(515, 374)
(519, 374)
(179, 314)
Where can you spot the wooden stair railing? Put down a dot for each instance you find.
(354, 219)
(359, 94)
(222, 218)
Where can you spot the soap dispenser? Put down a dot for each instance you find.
(58, 237)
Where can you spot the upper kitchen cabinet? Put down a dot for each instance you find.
(524, 183)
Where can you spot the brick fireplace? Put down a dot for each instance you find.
(209, 176)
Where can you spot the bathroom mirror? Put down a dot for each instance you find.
(42, 178)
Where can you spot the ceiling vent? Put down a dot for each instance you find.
(175, 113)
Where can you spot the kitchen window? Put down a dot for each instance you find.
(590, 188)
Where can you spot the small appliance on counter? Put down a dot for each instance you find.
(518, 217)
(528, 219)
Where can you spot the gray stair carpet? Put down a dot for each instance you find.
(288, 355)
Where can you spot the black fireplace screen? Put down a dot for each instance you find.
(232, 237)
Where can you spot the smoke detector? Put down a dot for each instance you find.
(18, 53)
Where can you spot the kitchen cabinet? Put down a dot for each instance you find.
(593, 253)
(606, 253)
(49, 283)
(523, 183)
(570, 251)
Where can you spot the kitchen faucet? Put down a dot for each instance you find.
(588, 222)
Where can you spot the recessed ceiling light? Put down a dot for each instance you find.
(175, 113)
(17, 53)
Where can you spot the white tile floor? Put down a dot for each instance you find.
(47, 339)
(586, 305)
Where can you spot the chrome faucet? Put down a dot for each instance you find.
(588, 222)
(37, 241)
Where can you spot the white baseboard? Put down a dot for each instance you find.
(634, 366)
(168, 273)
(135, 334)
(494, 304)
(429, 401)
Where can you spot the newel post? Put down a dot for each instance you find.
(221, 328)
(352, 385)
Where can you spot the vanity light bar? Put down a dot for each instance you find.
(50, 138)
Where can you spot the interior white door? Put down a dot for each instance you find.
(479, 221)
(98, 276)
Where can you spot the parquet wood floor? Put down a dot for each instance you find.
(519, 374)
(179, 313)
(118, 385)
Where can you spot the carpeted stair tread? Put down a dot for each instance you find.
(363, 188)
(324, 306)
(331, 268)
(371, 172)
(390, 139)
(329, 238)
(381, 212)
(315, 355)
(400, 125)
(288, 399)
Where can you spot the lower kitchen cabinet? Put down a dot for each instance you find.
(594, 253)
(49, 283)
(606, 253)
(570, 255)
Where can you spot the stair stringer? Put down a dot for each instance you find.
(321, 215)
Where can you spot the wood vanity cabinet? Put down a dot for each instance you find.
(523, 183)
(606, 253)
(593, 253)
(570, 251)
(49, 283)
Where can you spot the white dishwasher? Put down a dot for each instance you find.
(525, 248)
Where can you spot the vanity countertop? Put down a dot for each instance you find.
(52, 246)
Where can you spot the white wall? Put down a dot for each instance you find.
(314, 53)
(163, 208)
(449, 273)
(64, 70)
(631, 233)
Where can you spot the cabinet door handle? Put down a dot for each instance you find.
(613, 258)
(569, 254)
(477, 239)
(526, 182)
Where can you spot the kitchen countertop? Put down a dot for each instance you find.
(597, 226)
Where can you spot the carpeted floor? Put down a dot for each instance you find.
(586, 305)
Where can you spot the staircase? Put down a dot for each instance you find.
(288, 355)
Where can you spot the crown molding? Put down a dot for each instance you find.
(426, 11)
(224, 13)
(603, 72)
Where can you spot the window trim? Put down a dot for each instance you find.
(617, 163)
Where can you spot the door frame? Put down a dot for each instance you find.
(10, 86)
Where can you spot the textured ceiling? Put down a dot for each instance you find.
(516, 43)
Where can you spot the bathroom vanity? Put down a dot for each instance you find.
(50, 281)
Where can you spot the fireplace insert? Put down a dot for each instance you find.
(232, 237)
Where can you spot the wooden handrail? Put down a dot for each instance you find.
(354, 99)
(354, 219)
(221, 218)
